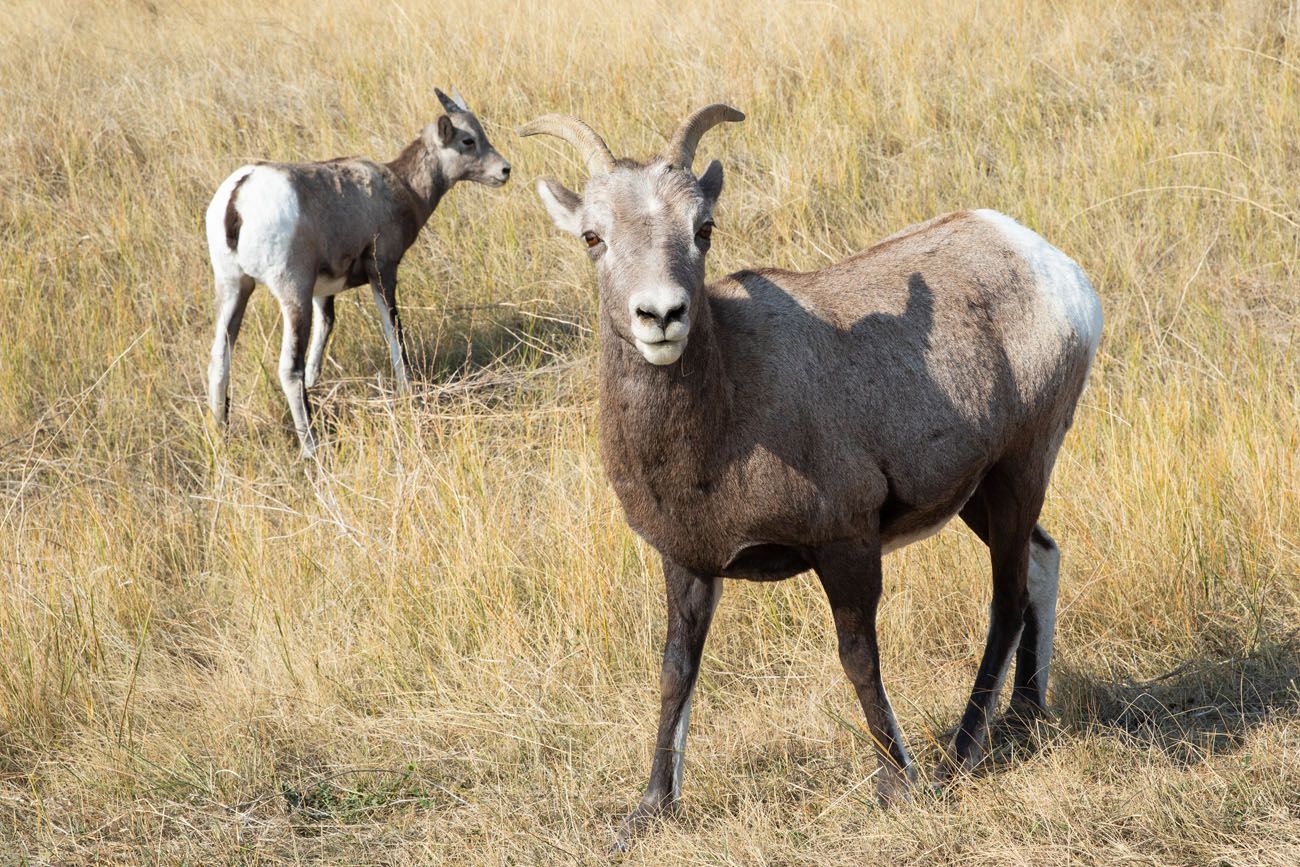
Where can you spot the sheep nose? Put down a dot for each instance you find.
(505, 171)
(670, 316)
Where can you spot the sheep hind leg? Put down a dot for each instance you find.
(1034, 658)
(322, 326)
(383, 282)
(293, 350)
(232, 298)
(1003, 512)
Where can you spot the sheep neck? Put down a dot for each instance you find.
(424, 179)
(666, 421)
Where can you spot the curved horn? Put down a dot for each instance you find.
(681, 150)
(595, 153)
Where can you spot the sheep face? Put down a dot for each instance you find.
(461, 147)
(647, 229)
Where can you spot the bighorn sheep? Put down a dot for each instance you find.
(310, 230)
(773, 421)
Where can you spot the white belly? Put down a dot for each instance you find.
(326, 286)
(923, 533)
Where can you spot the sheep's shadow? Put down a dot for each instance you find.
(456, 344)
(1206, 705)
(462, 344)
(453, 345)
(487, 349)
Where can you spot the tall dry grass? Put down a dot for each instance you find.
(440, 645)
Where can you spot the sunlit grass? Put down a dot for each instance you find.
(441, 643)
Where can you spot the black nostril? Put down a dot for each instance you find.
(675, 314)
(506, 170)
(642, 313)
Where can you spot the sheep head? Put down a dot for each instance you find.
(647, 227)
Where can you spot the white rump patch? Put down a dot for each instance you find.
(268, 206)
(1061, 282)
(224, 263)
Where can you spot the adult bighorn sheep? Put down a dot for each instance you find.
(310, 230)
(775, 421)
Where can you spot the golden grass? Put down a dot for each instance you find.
(441, 645)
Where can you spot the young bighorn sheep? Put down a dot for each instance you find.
(775, 421)
(310, 230)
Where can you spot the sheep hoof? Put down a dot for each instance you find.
(309, 446)
(646, 814)
(894, 786)
(1026, 712)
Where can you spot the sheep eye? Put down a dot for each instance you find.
(467, 142)
(705, 232)
(591, 238)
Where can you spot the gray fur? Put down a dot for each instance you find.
(815, 420)
(310, 230)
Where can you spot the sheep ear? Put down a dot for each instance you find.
(562, 204)
(446, 130)
(459, 100)
(448, 104)
(711, 181)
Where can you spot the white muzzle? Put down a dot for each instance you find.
(660, 322)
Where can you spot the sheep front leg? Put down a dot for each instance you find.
(691, 603)
(383, 280)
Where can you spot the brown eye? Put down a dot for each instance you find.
(591, 238)
(705, 232)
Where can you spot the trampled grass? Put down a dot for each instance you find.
(441, 644)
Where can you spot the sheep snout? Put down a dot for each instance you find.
(660, 321)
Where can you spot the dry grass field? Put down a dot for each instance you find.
(440, 644)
